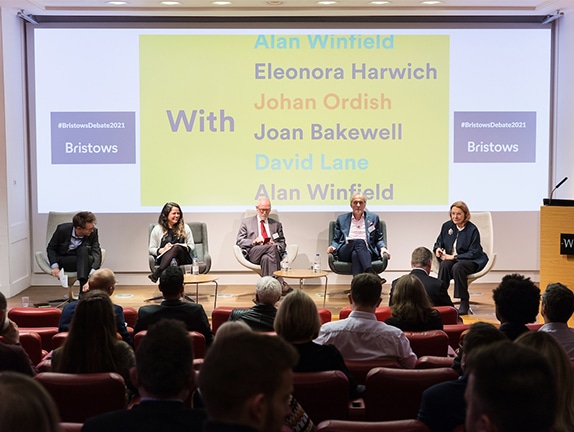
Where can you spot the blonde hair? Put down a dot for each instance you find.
(297, 318)
(461, 205)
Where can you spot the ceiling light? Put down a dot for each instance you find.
(274, 3)
(381, 2)
(170, 3)
(431, 2)
(326, 2)
(117, 3)
(221, 3)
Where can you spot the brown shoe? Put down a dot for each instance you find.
(285, 289)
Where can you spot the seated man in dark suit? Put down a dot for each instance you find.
(437, 290)
(104, 280)
(75, 247)
(192, 314)
(164, 375)
(261, 316)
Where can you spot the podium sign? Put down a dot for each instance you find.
(556, 222)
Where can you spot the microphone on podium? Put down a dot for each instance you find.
(556, 187)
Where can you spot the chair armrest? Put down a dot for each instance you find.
(43, 262)
(292, 251)
(244, 261)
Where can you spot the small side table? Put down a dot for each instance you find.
(200, 279)
(304, 274)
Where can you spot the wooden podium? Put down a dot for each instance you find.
(554, 267)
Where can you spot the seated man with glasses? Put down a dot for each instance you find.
(262, 241)
(357, 238)
(75, 247)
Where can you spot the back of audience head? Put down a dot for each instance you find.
(231, 328)
(164, 361)
(92, 333)
(510, 388)
(268, 290)
(545, 344)
(247, 379)
(297, 318)
(366, 289)
(421, 257)
(171, 282)
(3, 308)
(516, 299)
(479, 334)
(410, 300)
(557, 303)
(26, 406)
(102, 279)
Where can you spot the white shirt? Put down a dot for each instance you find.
(362, 337)
(563, 334)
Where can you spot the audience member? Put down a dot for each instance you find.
(516, 303)
(298, 323)
(297, 420)
(192, 314)
(510, 388)
(164, 376)
(443, 406)
(75, 247)
(102, 279)
(262, 241)
(26, 406)
(437, 290)
(562, 368)
(459, 252)
(358, 238)
(171, 239)
(14, 358)
(246, 383)
(261, 316)
(92, 344)
(412, 309)
(557, 308)
(8, 328)
(361, 336)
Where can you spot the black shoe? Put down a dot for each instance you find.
(464, 307)
(152, 277)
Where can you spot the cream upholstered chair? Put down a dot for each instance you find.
(483, 222)
(55, 219)
(292, 249)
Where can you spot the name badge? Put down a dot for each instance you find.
(371, 229)
(275, 236)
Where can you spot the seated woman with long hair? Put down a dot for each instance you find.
(545, 344)
(412, 309)
(92, 345)
(171, 239)
(298, 322)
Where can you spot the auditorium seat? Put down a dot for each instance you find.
(71, 427)
(428, 343)
(35, 317)
(360, 426)
(324, 395)
(131, 316)
(32, 344)
(81, 396)
(395, 394)
(360, 368)
(453, 331)
(432, 362)
(46, 334)
(448, 314)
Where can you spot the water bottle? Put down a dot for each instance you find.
(317, 264)
(173, 262)
(195, 266)
(285, 263)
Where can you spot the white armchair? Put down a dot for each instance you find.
(292, 249)
(55, 219)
